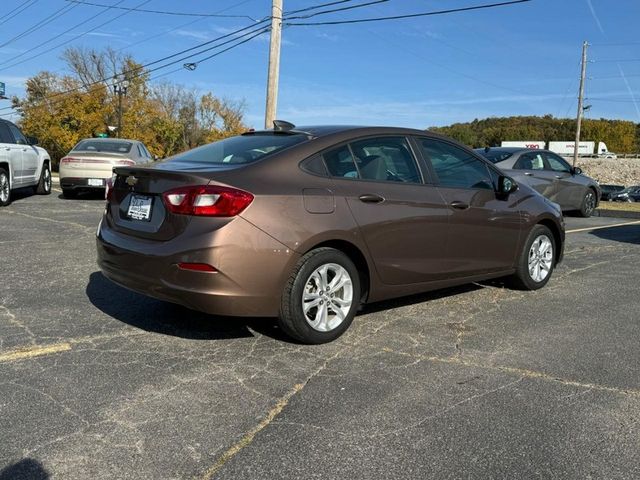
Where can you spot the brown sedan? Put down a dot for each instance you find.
(307, 224)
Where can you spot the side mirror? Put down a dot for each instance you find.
(32, 140)
(506, 185)
(576, 170)
(156, 158)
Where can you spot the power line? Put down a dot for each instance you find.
(58, 36)
(336, 10)
(317, 6)
(617, 60)
(70, 40)
(14, 13)
(615, 100)
(161, 12)
(37, 26)
(182, 25)
(138, 71)
(412, 15)
(622, 44)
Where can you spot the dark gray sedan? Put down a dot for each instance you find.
(549, 174)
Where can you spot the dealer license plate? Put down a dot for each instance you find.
(95, 182)
(140, 207)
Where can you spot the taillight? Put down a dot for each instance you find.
(108, 191)
(66, 160)
(207, 200)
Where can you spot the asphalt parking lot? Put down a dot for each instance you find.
(478, 381)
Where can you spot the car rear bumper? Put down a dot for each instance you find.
(80, 183)
(252, 269)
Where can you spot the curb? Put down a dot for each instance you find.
(616, 213)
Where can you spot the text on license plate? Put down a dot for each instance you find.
(139, 207)
(95, 182)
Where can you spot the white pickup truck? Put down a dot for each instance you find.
(22, 164)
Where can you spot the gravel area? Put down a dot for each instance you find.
(621, 171)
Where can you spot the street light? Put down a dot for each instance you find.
(120, 87)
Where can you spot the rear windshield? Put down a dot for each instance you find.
(102, 146)
(242, 149)
(494, 156)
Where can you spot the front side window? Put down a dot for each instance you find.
(387, 159)
(530, 161)
(455, 167)
(17, 134)
(557, 164)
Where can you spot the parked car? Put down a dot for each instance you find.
(22, 163)
(608, 190)
(549, 174)
(630, 194)
(90, 163)
(307, 224)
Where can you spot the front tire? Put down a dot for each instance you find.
(44, 185)
(537, 260)
(588, 204)
(5, 188)
(321, 297)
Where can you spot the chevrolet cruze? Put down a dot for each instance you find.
(307, 224)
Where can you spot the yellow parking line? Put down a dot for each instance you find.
(34, 351)
(575, 230)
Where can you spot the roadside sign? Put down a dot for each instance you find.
(1, 89)
(102, 135)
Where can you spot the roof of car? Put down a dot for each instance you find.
(324, 130)
(108, 139)
(505, 149)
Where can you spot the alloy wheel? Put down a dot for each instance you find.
(589, 203)
(4, 187)
(540, 258)
(327, 297)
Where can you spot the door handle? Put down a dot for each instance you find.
(371, 198)
(459, 205)
(558, 176)
(528, 174)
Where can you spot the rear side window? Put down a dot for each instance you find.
(17, 134)
(340, 163)
(242, 149)
(5, 134)
(386, 159)
(530, 161)
(455, 167)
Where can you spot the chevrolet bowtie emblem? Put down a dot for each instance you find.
(131, 180)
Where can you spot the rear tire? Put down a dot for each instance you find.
(5, 188)
(321, 297)
(537, 260)
(69, 193)
(44, 185)
(588, 204)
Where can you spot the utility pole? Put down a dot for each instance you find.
(274, 63)
(580, 101)
(120, 89)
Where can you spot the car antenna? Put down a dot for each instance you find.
(282, 126)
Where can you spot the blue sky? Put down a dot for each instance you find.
(420, 72)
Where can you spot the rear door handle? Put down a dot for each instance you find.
(559, 176)
(459, 205)
(371, 198)
(528, 174)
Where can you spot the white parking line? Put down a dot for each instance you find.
(575, 230)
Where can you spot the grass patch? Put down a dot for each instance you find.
(623, 206)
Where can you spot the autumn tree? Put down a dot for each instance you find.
(62, 109)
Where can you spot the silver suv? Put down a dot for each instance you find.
(22, 164)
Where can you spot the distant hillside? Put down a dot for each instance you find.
(621, 136)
